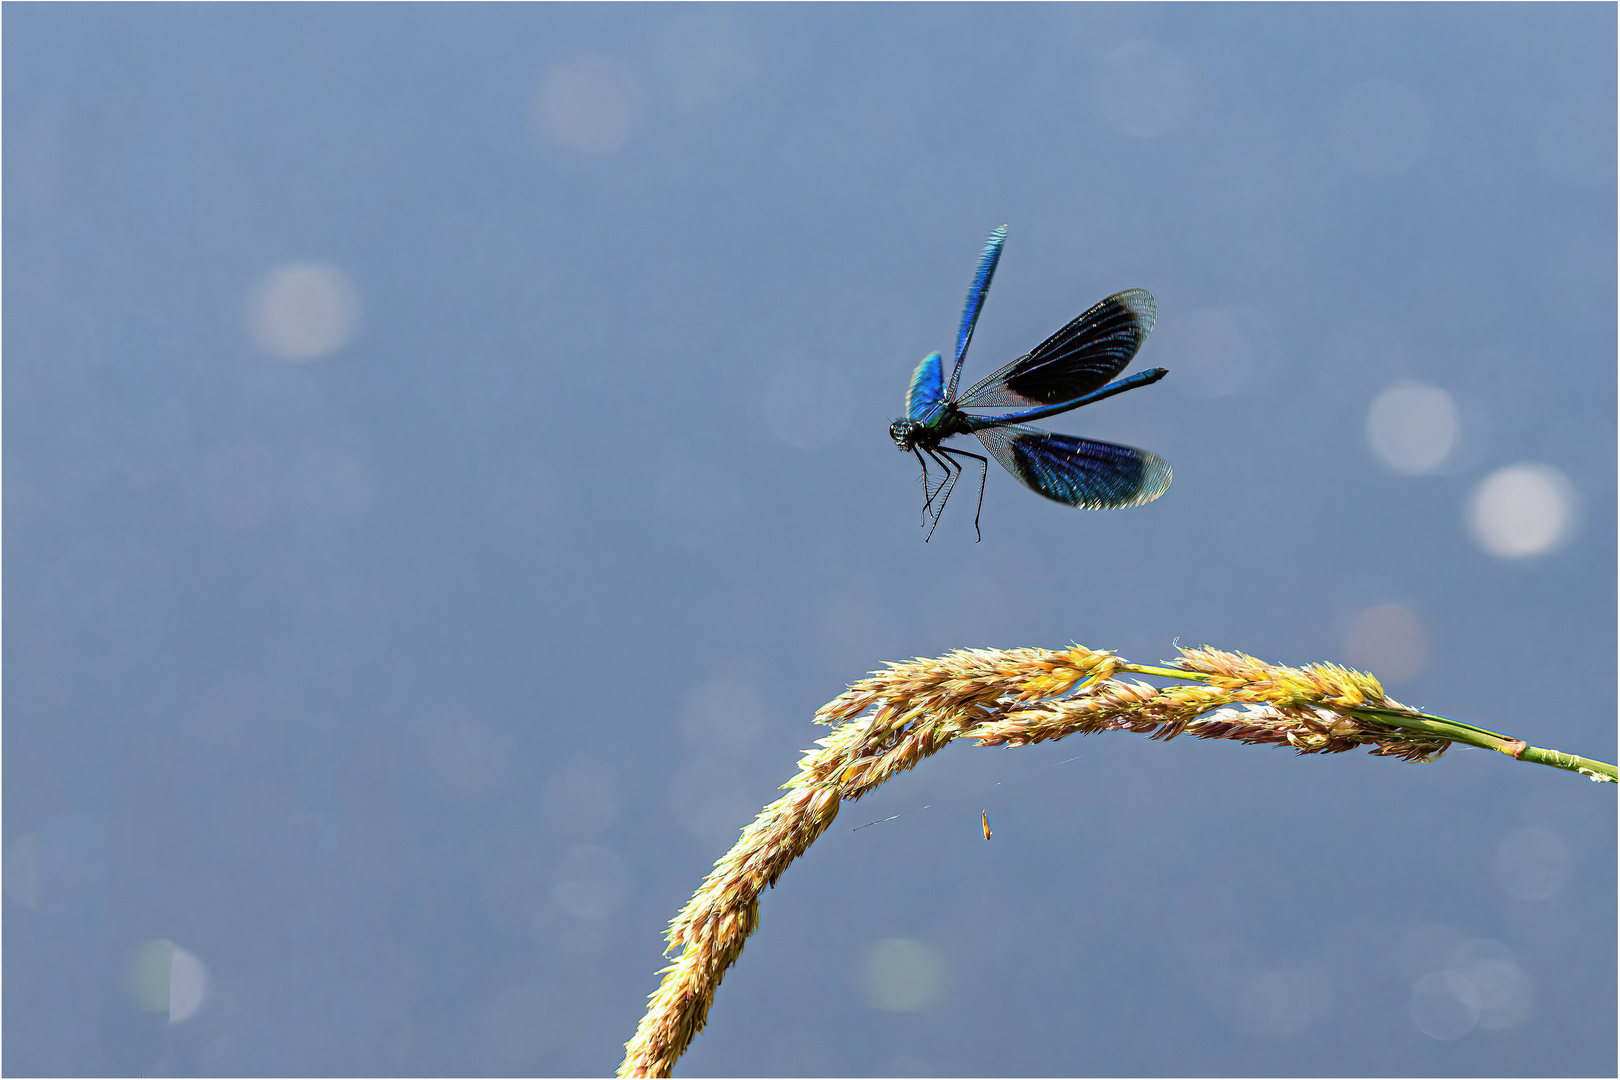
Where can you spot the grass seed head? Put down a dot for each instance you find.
(899, 715)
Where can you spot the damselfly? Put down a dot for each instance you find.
(1064, 372)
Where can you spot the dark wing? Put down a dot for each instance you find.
(975, 299)
(925, 393)
(1081, 472)
(1076, 360)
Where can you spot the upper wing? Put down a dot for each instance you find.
(1076, 360)
(925, 394)
(975, 298)
(1081, 472)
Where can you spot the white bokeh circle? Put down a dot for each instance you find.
(1412, 426)
(587, 104)
(1521, 510)
(302, 311)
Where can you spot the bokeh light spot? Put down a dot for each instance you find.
(587, 105)
(1143, 88)
(302, 311)
(1532, 863)
(710, 801)
(1412, 426)
(1501, 986)
(1380, 127)
(1445, 1005)
(1522, 510)
(901, 975)
(592, 883)
(147, 972)
(1479, 985)
(159, 976)
(188, 985)
(465, 755)
(1389, 641)
(807, 405)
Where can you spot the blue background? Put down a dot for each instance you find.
(413, 688)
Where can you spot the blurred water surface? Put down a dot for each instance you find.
(446, 466)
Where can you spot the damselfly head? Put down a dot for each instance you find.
(904, 433)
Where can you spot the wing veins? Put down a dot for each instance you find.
(1080, 357)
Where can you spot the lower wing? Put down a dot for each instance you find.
(1080, 472)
